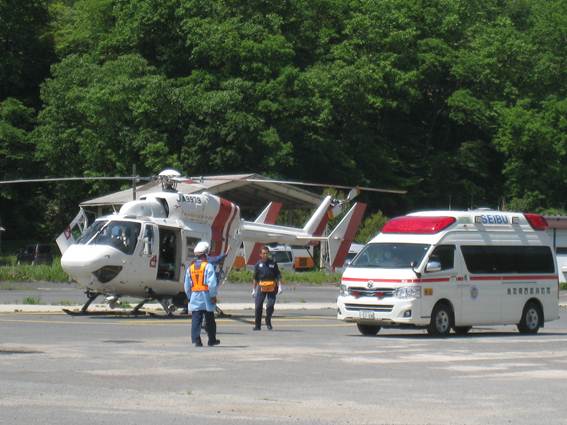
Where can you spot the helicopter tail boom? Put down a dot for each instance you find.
(268, 216)
(342, 236)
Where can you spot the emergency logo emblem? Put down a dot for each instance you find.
(370, 284)
(474, 292)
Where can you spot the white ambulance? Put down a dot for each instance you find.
(444, 270)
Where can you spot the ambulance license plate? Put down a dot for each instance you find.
(367, 315)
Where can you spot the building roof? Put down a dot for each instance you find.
(250, 196)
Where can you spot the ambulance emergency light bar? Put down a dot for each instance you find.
(418, 225)
(537, 221)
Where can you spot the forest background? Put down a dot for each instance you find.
(463, 103)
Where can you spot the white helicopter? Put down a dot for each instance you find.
(143, 250)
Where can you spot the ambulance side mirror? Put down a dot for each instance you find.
(433, 266)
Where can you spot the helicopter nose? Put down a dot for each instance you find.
(81, 261)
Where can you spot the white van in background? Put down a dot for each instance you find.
(444, 270)
(292, 258)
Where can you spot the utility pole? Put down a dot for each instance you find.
(134, 178)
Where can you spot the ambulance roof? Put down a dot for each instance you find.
(431, 226)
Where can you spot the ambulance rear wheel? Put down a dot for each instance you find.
(441, 320)
(532, 318)
(368, 330)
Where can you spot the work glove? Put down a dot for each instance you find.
(280, 289)
(253, 292)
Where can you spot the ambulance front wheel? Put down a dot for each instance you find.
(532, 318)
(441, 320)
(368, 330)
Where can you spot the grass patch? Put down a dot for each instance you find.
(54, 273)
(563, 286)
(29, 273)
(313, 277)
(32, 300)
(64, 302)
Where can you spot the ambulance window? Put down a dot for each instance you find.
(390, 255)
(281, 256)
(445, 254)
(508, 259)
(560, 250)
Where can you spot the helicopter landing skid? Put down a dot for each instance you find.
(103, 313)
(219, 313)
(92, 296)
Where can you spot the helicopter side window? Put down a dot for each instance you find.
(149, 238)
(167, 267)
(122, 235)
(92, 230)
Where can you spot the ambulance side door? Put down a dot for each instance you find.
(480, 291)
(440, 277)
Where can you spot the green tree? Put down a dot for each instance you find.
(26, 50)
(370, 227)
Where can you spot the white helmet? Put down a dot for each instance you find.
(201, 248)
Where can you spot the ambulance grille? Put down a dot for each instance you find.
(369, 307)
(374, 292)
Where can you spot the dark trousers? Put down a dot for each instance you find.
(210, 325)
(259, 304)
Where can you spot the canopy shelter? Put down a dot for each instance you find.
(252, 197)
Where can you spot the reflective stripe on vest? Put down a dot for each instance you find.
(198, 277)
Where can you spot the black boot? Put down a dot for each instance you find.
(269, 312)
(257, 320)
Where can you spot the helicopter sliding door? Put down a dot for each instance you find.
(169, 259)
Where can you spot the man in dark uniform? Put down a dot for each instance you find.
(267, 283)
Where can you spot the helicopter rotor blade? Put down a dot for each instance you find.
(63, 179)
(337, 186)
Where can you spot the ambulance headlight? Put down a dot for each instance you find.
(107, 273)
(343, 290)
(408, 292)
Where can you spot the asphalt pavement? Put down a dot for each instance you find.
(52, 296)
(311, 369)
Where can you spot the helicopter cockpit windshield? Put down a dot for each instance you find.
(121, 235)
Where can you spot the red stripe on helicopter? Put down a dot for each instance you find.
(271, 217)
(353, 224)
(218, 225)
(228, 226)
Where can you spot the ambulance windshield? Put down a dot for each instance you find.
(390, 255)
(122, 235)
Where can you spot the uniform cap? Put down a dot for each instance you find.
(201, 248)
